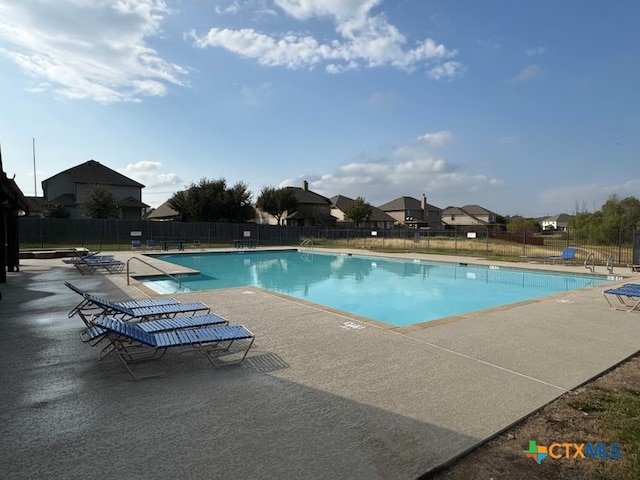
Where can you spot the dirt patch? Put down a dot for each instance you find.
(606, 410)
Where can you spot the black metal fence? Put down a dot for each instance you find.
(619, 247)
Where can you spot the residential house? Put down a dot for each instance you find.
(468, 216)
(70, 187)
(312, 209)
(558, 222)
(37, 206)
(378, 218)
(163, 213)
(413, 213)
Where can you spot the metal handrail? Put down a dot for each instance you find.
(610, 263)
(593, 262)
(307, 242)
(177, 279)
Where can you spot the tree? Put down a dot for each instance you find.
(615, 215)
(212, 201)
(179, 201)
(358, 211)
(238, 204)
(56, 211)
(519, 224)
(623, 213)
(99, 202)
(276, 201)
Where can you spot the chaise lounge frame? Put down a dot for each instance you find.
(132, 344)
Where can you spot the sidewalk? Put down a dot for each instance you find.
(321, 395)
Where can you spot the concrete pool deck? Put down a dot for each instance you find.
(321, 395)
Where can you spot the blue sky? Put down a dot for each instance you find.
(524, 107)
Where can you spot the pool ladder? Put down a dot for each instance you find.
(173, 277)
(592, 267)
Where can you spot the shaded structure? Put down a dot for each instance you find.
(12, 203)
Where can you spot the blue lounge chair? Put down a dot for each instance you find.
(88, 307)
(136, 244)
(139, 311)
(568, 254)
(131, 343)
(151, 244)
(94, 334)
(628, 297)
(91, 264)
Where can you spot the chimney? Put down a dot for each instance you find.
(305, 185)
(423, 204)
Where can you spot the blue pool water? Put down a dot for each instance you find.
(395, 291)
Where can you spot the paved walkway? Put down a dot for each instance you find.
(321, 396)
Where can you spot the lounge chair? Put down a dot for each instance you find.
(634, 268)
(628, 297)
(87, 306)
(136, 244)
(151, 244)
(568, 254)
(139, 310)
(93, 334)
(91, 264)
(79, 255)
(131, 343)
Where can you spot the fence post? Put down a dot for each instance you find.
(620, 245)
(455, 240)
(487, 233)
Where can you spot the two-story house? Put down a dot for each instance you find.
(558, 222)
(70, 187)
(378, 218)
(468, 216)
(312, 209)
(413, 213)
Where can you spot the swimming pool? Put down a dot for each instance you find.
(395, 291)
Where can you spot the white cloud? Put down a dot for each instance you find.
(419, 148)
(528, 73)
(339, 9)
(446, 71)
(150, 175)
(104, 56)
(380, 99)
(364, 40)
(411, 170)
(256, 8)
(532, 52)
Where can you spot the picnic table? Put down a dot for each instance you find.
(245, 242)
(167, 244)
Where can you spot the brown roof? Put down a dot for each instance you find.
(307, 196)
(477, 210)
(402, 204)
(164, 211)
(340, 202)
(95, 172)
(131, 202)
